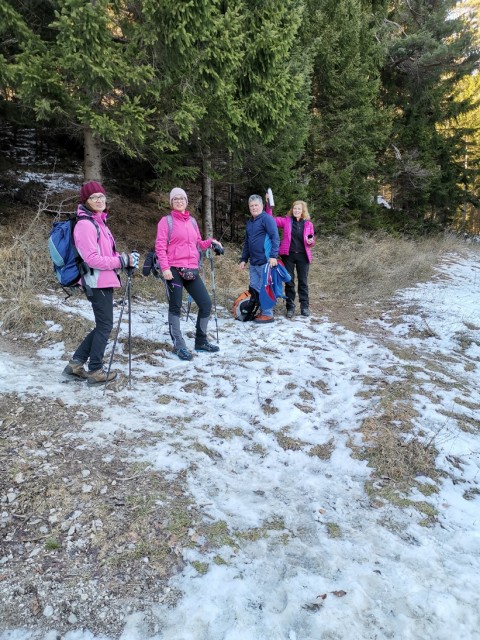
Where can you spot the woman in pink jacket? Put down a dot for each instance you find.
(177, 247)
(296, 252)
(96, 246)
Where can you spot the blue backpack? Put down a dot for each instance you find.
(67, 262)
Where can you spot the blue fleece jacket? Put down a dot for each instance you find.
(261, 240)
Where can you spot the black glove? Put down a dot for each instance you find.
(219, 251)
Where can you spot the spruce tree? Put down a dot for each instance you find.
(348, 125)
(276, 92)
(230, 65)
(79, 71)
(429, 51)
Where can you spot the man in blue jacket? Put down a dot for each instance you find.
(261, 246)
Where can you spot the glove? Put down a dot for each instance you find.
(129, 260)
(217, 247)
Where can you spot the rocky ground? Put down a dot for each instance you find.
(84, 534)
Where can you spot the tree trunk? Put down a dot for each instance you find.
(207, 188)
(465, 188)
(231, 190)
(92, 159)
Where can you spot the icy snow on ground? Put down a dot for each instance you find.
(329, 566)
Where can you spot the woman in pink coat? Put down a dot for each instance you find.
(96, 246)
(296, 252)
(177, 247)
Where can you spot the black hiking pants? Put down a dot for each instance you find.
(300, 263)
(198, 291)
(93, 346)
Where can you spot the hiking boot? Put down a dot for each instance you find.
(100, 375)
(305, 311)
(290, 313)
(75, 369)
(183, 354)
(263, 319)
(207, 346)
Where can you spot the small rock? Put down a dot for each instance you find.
(97, 524)
(85, 473)
(72, 618)
(48, 611)
(86, 488)
(19, 478)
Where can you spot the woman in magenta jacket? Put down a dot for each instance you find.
(177, 247)
(296, 252)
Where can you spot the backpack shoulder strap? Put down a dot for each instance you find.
(82, 265)
(76, 219)
(170, 225)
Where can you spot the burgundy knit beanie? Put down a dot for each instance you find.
(88, 188)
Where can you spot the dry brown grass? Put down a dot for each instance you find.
(373, 267)
(24, 255)
(344, 271)
(401, 462)
(25, 266)
(395, 455)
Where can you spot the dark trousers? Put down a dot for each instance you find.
(197, 289)
(298, 261)
(93, 346)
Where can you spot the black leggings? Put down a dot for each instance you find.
(93, 346)
(195, 288)
(298, 261)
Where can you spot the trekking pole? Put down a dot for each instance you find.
(189, 306)
(167, 290)
(126, 294)
(210, 257)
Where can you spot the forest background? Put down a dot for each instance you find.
(338, 102)
(335, 102)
